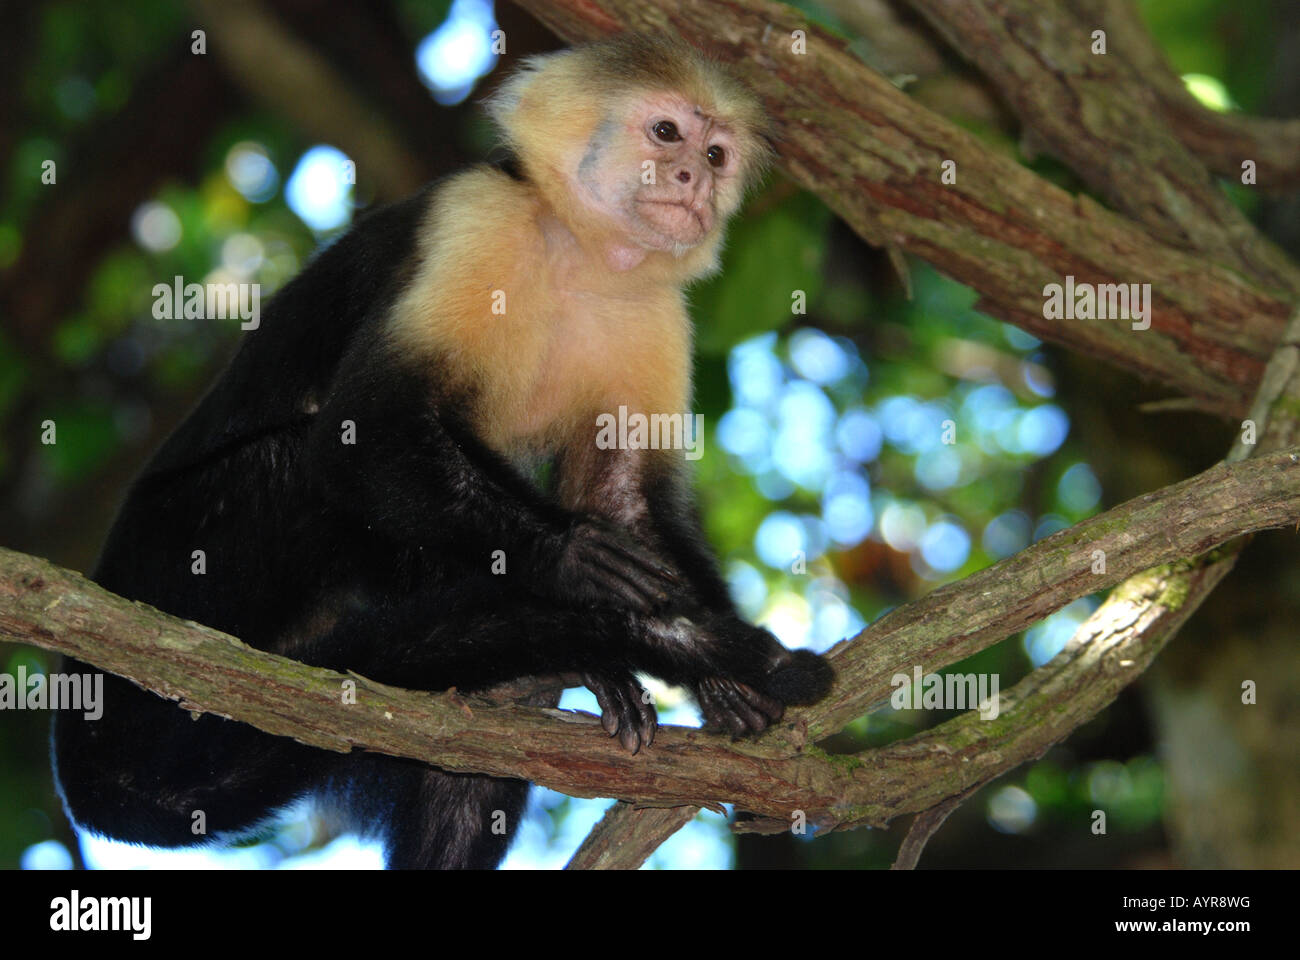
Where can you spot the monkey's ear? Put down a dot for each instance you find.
(502, 106)
(546, 111)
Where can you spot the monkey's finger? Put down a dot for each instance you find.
(772, 708)
(631, 740)
(753, 720)
(649, 719)
(646, 595)
(642, 564)
(633, 559)
(621, 711)
(608, 709)
(735, 725)
(633, 551)
(756, 720)
(727, 714)
(708, 708)
(608, 584)
(631, 733)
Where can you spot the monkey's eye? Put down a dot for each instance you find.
(717, 156)
(666, 131)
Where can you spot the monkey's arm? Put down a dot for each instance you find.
(741, 674)
(384, 452)
(469, 636)
(797, 676)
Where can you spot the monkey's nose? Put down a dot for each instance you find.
(684, 176)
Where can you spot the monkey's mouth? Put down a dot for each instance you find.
(678, 221)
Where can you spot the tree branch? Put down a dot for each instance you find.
(1100, 117)
(780, 773)
(925, 826)
(277, 69)
(627, 835)
(962, 618)
(893, 43)
(1221, 140)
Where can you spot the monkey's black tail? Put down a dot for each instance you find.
(434, 820)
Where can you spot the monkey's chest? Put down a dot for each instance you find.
(577, 363)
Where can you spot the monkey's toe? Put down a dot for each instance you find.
(736, 708)
(626, 710)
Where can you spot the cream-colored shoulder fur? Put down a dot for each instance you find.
(546, 338)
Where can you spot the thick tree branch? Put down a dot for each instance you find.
(774, 776)
(1221, 140)
(1108, 652)
(1102, 119)
(895, 44)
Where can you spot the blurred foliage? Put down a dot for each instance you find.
(780, 248)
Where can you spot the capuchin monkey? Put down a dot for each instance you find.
(360, 479)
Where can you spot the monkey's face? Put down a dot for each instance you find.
(662, 172)
(687, 159)
(637, 144)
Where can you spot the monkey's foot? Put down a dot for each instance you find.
(626, 709)
(735, 707)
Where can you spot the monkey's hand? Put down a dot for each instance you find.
(733, 707)
(761, 677)
(626, 709)
(597, 563)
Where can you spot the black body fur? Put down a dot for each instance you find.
(375, 558)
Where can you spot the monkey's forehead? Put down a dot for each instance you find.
(682, 105)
